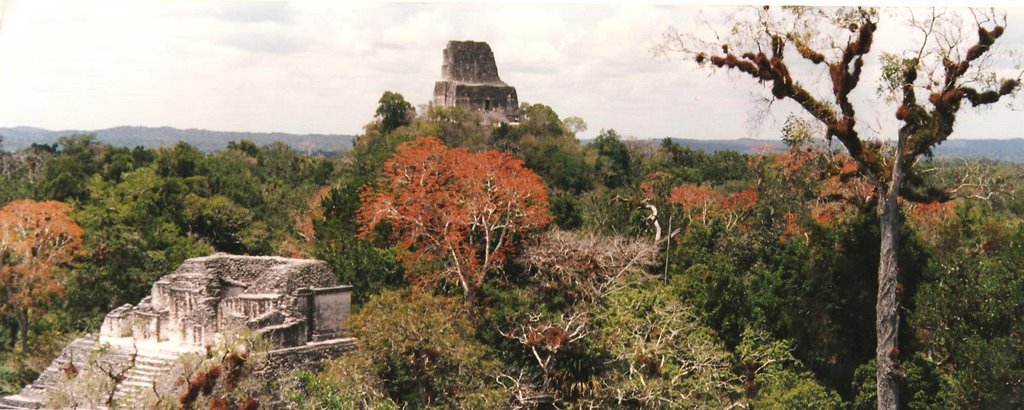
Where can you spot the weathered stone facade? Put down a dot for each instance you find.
(296, 303)
(278, 297)
(470, 80)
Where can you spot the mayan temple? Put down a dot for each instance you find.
(470, 80)
(297, 304)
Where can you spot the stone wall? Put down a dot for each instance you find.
(470, 62)
(331, 307)
(207, 295)
(470, 80)
(308, 357)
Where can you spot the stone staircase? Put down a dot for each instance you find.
(34, 395)
(150, 366)
(139, 379)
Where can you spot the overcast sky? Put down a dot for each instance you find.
(315, 67)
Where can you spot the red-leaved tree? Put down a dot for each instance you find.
(454, 214)
(36, 238)
(702, 203)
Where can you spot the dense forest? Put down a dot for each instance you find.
(501, 266)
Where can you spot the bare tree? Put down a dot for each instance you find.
(945, 65)
(546, 338)
(587, 267)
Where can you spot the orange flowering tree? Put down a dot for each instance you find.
(702, 203)
(36, 238)
(822, 186)
(454, 214)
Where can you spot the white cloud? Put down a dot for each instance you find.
(320, 67)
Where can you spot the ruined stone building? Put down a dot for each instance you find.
(470, 80)
(295, 303)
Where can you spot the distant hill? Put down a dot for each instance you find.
(20, 137)
(743, 145)
(14, 138)
(1010, 150)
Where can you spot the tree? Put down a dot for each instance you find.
(131, 239)
(456, 126)
(36, 238)
(965, 312)
(697, 200)
(943, 66)
(573, 275)
(67, 173)
(415, 350)
(613, 162)
(454, 214)
(660, 354)
(393, 111)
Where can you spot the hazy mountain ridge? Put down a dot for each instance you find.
(15, 138)
(1010, 150)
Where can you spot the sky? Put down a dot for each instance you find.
(319, 67)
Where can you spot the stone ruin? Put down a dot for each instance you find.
(290, 301)
(295, 303)
(470, 80)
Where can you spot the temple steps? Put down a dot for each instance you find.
(129, 394)
(139, 379)
(19, 402)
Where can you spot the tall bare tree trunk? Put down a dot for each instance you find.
(22, 317)
(887, 320)
(470, 297)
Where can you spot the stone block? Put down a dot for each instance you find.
(470, 80)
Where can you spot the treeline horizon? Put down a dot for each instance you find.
(330, 145)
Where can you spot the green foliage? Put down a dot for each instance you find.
(22, 174)
(393, 111)
(560, 161)
(565, 211)
(924, 386)
(10, 382)
(612, 165)
(416, 350)
(797, 132)
(725, 166)
(67, 173)
(790, 391)
(356, 261)
(455, 126)
(145, 211)
(967, 308)
(894, 68)
(182, 161)
(131, 230)
(313, 391)
(774, 379)
(540, 120)
(602, 213)
(662, 357)
(548, 148)
(228, 226)
(767, 311)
